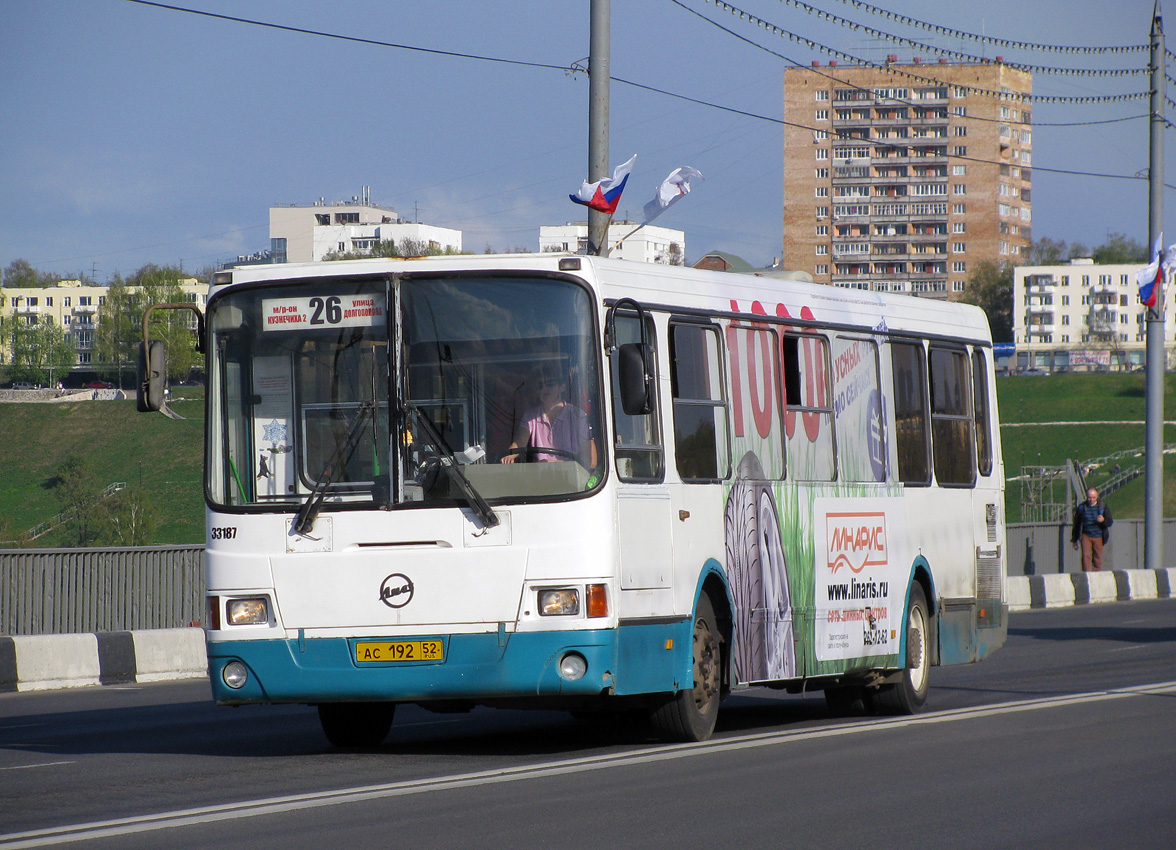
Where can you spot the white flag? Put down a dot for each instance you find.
(671, 189)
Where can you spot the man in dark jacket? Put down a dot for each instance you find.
(1092, 523)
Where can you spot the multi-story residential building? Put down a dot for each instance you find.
(650, 244)
(901, 178)
(1082, 316)
(76, 309)
(305, 234)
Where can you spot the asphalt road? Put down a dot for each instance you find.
(1063, 739)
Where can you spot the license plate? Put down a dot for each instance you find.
(385, 651)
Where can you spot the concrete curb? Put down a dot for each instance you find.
(1056, 590)
(43, 662)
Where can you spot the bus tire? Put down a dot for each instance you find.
(689, 715)
(908, 695)
(356, 725)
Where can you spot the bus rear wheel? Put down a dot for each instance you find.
(356, 725)
(908, 695)
(689, 715)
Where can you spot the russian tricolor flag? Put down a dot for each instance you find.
(1151, 278)
(604, 195)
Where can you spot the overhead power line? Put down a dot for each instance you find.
(893, 70)
(966, 57)
(999, 42)
(351, 38)
(577, 69)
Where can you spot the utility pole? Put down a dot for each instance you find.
(598, 80)
(1153, 550)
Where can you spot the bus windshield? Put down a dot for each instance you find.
(478, 389)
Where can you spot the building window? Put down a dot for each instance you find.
(959, 150)
(822, 173)
(959, 285)
(822, 153)
(958, 247)
(959, 209)
(959, 227)
(959, 266)
(822, 268)
(822, 250)
(822, 212)
(820, 135)
(959, 170)
(822, 230)
(959, 189)
(822, 114)
(959, 131)
(822, 191)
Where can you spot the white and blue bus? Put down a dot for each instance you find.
(564, 481)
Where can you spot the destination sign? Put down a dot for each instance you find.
(322, 311)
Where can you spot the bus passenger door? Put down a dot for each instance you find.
(643, 500)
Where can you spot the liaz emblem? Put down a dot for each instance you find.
(396, 590)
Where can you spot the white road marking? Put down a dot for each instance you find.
(31, 766)
(343, 796)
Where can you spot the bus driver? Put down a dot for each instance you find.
(553, 424)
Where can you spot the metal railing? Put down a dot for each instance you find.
(63, 591)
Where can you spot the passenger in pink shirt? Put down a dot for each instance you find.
(553, 424)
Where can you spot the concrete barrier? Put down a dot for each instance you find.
(1062, 589)
(42, 662)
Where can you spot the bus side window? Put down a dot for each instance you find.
(808, 419)
(911, 436)
(700, 409)
(951, 418)
(983, 417)
(639, 453)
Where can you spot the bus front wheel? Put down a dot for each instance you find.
(356, 725)
(690, 714)
(908, 695)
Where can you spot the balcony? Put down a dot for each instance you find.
(85, 308)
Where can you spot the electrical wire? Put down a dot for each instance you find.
(999, 42)
(891, 69)
(967, 57)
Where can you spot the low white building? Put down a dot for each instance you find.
(304, 234)
(650, 244)
(1082, 317)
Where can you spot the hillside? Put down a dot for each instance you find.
(166, 454)
(121, 444)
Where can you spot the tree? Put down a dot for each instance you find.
(38, 350)
(78, 493)
(120, 327)
(20, 273)
(990, 287)
(94, 518)
(1119, 249)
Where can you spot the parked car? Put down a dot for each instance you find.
(23, 385)
(100, 385)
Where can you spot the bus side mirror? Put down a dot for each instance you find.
(634, 378)
(152, 369)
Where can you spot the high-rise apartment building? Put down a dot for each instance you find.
(901, 178)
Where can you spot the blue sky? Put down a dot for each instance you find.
(133, 135)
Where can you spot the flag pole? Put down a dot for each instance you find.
(626, 236)
(598, 96)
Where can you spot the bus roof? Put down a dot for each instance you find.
(675, 288)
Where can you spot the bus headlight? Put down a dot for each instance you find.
(557, 603)
(253, 611)
(573, 666)
(235, 675)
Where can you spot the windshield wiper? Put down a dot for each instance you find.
(450, 464)
(344, 448)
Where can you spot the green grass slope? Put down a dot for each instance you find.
(120, 443)
(166, 454)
